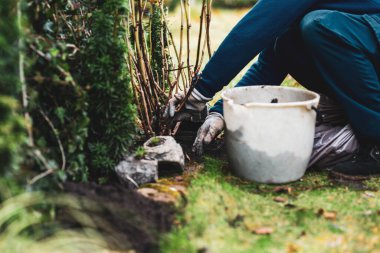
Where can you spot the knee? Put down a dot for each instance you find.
(316, 24)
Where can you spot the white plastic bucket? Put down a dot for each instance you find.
(269, 132)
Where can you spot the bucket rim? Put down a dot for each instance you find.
(308, 103)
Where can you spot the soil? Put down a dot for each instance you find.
(127, 219)
(274, 101)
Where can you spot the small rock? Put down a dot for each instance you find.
(160, 153)
(166, 151)
(134, 172)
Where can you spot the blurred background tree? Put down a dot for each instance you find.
(12, 132)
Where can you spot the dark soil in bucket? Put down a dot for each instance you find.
(127, 219)
(274, 101)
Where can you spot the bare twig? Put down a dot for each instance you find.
(55, 132)
(153, 85)
(22, 81)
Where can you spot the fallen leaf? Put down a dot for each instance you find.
(283, 189)
(327, 215)
(368, 212)
(280, 199)
(369, 195)
(292, 248)
(263, 231)
(330, 215)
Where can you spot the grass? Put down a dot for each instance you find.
(313, 215)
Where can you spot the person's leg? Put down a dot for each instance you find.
(291, 53)
(345, 50)
(287, 55)
(346, 53)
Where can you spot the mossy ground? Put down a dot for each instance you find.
(312, 215)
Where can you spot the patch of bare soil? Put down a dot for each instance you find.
(127, 219)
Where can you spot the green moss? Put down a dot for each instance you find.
(155, 141)
(223, 212)
(140, 153)
(373, 184)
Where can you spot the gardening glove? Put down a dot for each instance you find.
(195, 102)
(210, 129)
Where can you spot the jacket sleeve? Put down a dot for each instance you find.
(257, 30)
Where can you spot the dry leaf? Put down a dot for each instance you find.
(369, 195)
(280, 199)
(327, 215)
(330, 215)
(263, 231)
(292, 248)
(368, 213)
(283, 189)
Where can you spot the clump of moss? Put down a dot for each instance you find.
(140, 153)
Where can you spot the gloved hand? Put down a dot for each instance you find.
(195, 102)
(211, 128)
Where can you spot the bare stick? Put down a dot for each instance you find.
(200, 33)
(208, 23)
(55, 132)
(22, 81)
(188, 25)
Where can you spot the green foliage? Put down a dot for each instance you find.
(12, 135)
(159, 44)
(58, 103)
(9, 49)
(28, 224)
(155, 141)
(12, 132)
(157, 34)
(140, 153)
(111, 109)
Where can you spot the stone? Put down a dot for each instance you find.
(134, 172)
(163, 155)
(166, 151)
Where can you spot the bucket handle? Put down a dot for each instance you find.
(319, 114)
